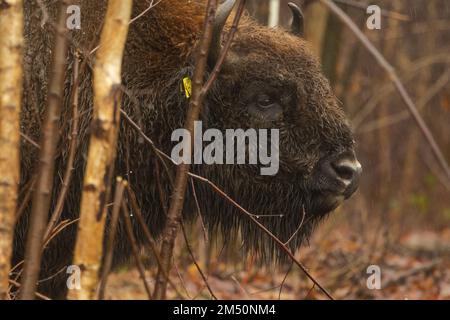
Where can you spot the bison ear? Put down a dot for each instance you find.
(223, 12)
(297, 27)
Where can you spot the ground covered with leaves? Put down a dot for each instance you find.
(413, 265)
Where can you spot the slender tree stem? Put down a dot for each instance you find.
(44, 184)
(135, 248)
(118, 198)
(181, 178)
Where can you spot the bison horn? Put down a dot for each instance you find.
(223, 12)
(297, 27)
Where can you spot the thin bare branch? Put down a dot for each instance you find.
(284, 279)
(29, 140)
(72, 151)
(200, 271)
(299, 226)
(38, 295)
(135, 248)
(106, 268)
(199, 212)
(153, 246)
(28, 188)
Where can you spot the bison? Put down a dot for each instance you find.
(270, 79)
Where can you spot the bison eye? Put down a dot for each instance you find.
(265, 107)
(264, 101)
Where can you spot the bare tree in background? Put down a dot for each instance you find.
(316, 25)
(408, 172)
(274, 13)
(259, 9)
(102, 148)
(11, 47)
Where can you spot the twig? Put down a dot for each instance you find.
(37, 294)
(157, 152)
(284, 280)
(26, 199)
(200, 271)
(135, 248)
(58, 229)
(150, 6)
(162, 197)
(183, 283)
(240, 286)
(398, 84)
(310, 290)
(253, 293)
(299, 226)
(29, 140)
(72, 150)
(138, 214)
(53, 276)
(199, 213)
(118, 198)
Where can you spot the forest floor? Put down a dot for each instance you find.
(416, 265)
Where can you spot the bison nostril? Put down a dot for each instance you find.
(348, 171)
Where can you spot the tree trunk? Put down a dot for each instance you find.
(409, 174)
(11, 46)
(316, 16)
(259, 10)
(102, 148)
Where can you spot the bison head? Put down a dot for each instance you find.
(272, 80)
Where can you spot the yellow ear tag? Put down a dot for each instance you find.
(187, 86)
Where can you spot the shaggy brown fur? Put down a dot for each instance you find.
(158, 55)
